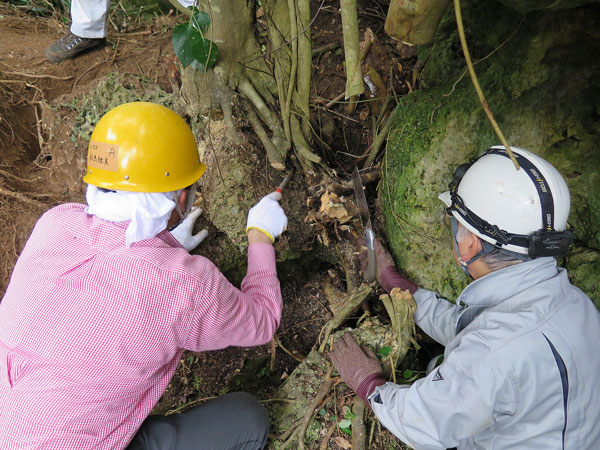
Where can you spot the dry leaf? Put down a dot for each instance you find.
(342, 443)
(334, 208)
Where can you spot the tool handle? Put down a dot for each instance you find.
(371, 272)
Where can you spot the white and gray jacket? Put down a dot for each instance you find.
(521, 367)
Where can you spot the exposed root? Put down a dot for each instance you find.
(359, 429)
(273, 154)
(25, 197)
(325, 441)
(228, 119)
(278, 140)
(354, 300)
(300, 431)
(305, 154)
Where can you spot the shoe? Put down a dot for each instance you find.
(71, 46)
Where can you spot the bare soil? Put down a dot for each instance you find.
(31, 181)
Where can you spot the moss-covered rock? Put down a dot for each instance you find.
(584, 271)
(542, 88)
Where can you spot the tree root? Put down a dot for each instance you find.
(299, 428)
(354, 300)
(279, 146)
(276, 159)
(359, 429)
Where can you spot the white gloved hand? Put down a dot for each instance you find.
(268, 216)
(183, 231)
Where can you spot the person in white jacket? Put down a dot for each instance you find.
(521, 357)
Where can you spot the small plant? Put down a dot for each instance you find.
(384, 351)
(190, 45)
(345, 424)
(408, 376)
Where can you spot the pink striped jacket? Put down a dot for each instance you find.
(92, 331)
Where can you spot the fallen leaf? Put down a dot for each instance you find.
(342, 443)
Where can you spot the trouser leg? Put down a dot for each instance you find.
(235, 421)
(88, 18)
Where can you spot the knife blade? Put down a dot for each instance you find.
(365, 219)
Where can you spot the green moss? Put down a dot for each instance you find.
(542, 89)
(584, 272)
(112, 90)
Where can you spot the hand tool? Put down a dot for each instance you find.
(365, 219)
(284, 184)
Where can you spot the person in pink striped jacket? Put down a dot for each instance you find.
(104, 299)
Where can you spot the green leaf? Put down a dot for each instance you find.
(184, 38)
(344, 423)
(346, 430)
(205, 53)
(384, 351)
(201, 20)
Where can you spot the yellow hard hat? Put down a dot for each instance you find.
(142, 147)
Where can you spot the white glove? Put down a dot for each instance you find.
(183, 231)
(268, 216)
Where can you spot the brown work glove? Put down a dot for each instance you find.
(387, 276)
(358, 366)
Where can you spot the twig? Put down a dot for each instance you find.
(38, 124)
(485, 57)
(200, 400)
(33, 75)
(297, 358)
(335, 100)
(273, 353)
(336, 113)
(136, 33)
(324, 49)
(378, 142)
(371, 432)
(282, 400)
(484, 103)
(112, 61)
(86, 71)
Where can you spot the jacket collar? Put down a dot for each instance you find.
(497, 286)
(504, 283)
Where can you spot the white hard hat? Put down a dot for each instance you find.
(508, 207)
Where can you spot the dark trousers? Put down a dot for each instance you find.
(235, 421)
